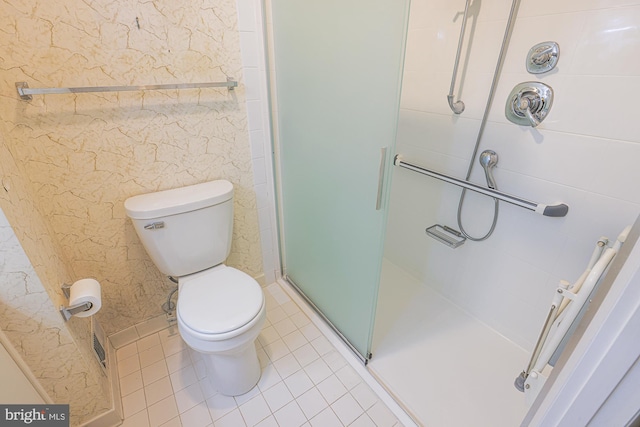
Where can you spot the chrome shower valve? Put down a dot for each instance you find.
(543, 57)
(528, 103)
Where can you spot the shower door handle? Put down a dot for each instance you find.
(381, 169)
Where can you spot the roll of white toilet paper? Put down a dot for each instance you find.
(86, 290)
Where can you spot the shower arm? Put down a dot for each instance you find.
(458, 106)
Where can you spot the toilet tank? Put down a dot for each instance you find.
(185, 230)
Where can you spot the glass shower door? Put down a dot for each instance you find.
(338, 70)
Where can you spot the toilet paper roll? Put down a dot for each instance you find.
(86, 290)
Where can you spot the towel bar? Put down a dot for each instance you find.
(25, 92)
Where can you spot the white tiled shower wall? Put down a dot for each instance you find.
(584, 154)
(252, 43)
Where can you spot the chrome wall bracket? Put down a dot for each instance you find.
(529, 103)
(72, 310)
(543, 57)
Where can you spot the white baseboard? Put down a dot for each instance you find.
(140, 330)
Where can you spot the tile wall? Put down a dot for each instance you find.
(585, 154)
(253, 24)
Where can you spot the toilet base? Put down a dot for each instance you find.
(232, 362)
(233, 374)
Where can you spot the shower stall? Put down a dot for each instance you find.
(363, 90)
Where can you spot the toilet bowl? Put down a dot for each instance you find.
(187, 233)
(220, 313)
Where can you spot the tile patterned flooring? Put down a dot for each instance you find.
(305, 381)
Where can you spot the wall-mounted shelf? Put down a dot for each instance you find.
(25, 92)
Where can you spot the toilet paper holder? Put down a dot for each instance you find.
(72, 310)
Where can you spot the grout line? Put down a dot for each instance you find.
(355, 363)
(327, 374)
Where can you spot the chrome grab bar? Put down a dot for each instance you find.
(558, 210)
(25, 92)
(458, 106)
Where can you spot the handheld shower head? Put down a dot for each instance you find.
(488, 160)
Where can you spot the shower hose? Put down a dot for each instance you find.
(496, 76)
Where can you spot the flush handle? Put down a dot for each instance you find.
(154, 225)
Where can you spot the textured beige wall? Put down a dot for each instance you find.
(85, 154)
(59, 354)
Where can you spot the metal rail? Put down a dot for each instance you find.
(558, 210)
(458, 106)
(25, 92)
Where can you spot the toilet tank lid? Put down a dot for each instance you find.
(178, 200)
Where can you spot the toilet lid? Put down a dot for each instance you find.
(219, 300)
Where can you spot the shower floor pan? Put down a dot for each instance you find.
(443, 365)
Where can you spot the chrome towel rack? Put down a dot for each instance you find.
(25, 92)
(557, 210)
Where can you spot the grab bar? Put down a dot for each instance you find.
(558, 210)
(458, 106)
(25, 92)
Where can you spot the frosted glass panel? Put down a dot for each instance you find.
(338, 68)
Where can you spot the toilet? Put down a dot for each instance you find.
(187, 233)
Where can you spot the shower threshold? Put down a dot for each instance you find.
(442, 365)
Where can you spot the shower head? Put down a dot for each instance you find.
(488, 160)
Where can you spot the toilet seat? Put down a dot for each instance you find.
(219, 303)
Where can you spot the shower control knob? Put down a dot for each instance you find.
(528, 103)
(543, 57)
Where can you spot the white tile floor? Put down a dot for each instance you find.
(305, 381)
